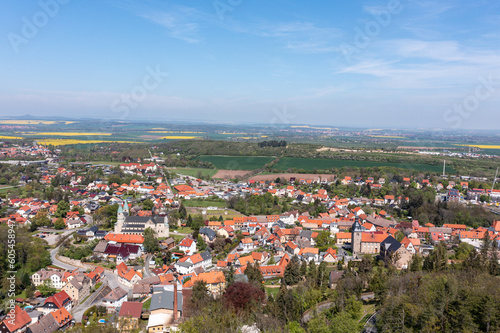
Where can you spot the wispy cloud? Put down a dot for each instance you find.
(180, 22)
(177, 23)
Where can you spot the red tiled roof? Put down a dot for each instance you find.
(131, 309)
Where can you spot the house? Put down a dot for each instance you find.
(168, 243)
(162, 308)
(78, 287)
(247, 245)
(187, 245)
(208, 234)
(187, 265)
(15, 321)
(309, 254)
(127, 276)
(411, 244)
(391, 249)
(329, 256)
(215, 280)
(114, 299)
(343, 237)
(56, 302)
(57, 320)
(278, 270)
(129, 315)
(54, 278)
(121, 252)
(334, 278)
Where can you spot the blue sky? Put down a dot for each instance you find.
(377, 64)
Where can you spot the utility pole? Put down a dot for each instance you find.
(444, 168)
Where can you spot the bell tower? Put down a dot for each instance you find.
(357, 231)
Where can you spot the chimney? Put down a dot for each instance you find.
(175, 298)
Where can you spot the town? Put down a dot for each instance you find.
(130, 246)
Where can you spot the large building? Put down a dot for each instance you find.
(356, 235)
(135, 225)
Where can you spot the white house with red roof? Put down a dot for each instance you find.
(187, 245)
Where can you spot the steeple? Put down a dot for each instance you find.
(356, 227)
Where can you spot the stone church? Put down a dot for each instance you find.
(135, 225)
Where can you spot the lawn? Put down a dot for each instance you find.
(194, 172)
(311, 164)
(272, 291)
(146, 304)
(182, 230)
(203, 203)
(236, 162)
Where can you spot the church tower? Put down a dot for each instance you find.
(357, 231)
(120, 218)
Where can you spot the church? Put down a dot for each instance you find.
(135, 225)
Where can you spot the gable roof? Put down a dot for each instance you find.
(59, 299)
(131, 309)
(20, 320)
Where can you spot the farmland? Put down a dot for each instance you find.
(194, 172)
(230, 174)
(236, 162)
(324, 164)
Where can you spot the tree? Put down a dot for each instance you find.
(59, 224)
(324, 240)
(437, 260)
(399, 236)
(150, 241)
(254, 274)
(243, 296)
(200, 295)
(78, 209)
(312, 273)
(292, 274)
(200, 244)
(182, 211)
(62, 209)
(147, 204)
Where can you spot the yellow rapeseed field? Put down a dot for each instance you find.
(175, 137)
(71, 133)
(10, 137)
(179, 132)
(63, 142)
(483, 146)
(33, 122)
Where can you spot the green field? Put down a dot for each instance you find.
(310, 164)
(203, 203)
(194, 172)
(236, 162)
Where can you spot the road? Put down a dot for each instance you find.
(147, 272)
(370, 324)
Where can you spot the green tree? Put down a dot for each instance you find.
(254, 274)
(147, 205)
(150, 241)
(62, 209)
(200, 244)
(292, 271)
(59, 224)
(399, 236)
